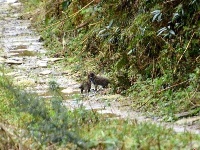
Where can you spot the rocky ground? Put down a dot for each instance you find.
(24, 58)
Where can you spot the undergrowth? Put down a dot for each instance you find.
(46, 122)
(143, 46)
(146, 57)
(30, 122)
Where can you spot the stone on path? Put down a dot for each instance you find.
(27, 82)
(11, 1)
(52, 59)
(45, 72)
(69, 90)
(41, 63)
(188, 121)
(13, 74)
(12, 61)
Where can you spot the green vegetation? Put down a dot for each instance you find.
(145, 47)
(150, 51)
(30, 122)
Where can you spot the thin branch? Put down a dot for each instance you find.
(197, 58)
(170, 87)
(73, 15)
(184, 51)
(170, 1)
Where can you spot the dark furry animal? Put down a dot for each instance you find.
(97, 80)
(86, 86)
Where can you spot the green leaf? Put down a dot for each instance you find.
(172, 32)
(131, 51)
(160, 31)
(65, 4)
(175, 16)
(110, 24)
(157, 15)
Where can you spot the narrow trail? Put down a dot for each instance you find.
(23, 55)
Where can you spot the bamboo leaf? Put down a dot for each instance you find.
(160, 31)
(172, 32)
(110, 24)
(156, 15)
(65, 4)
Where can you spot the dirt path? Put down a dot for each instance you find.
(22, 53)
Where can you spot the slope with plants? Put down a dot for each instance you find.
(150, 49)
(31, 122)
